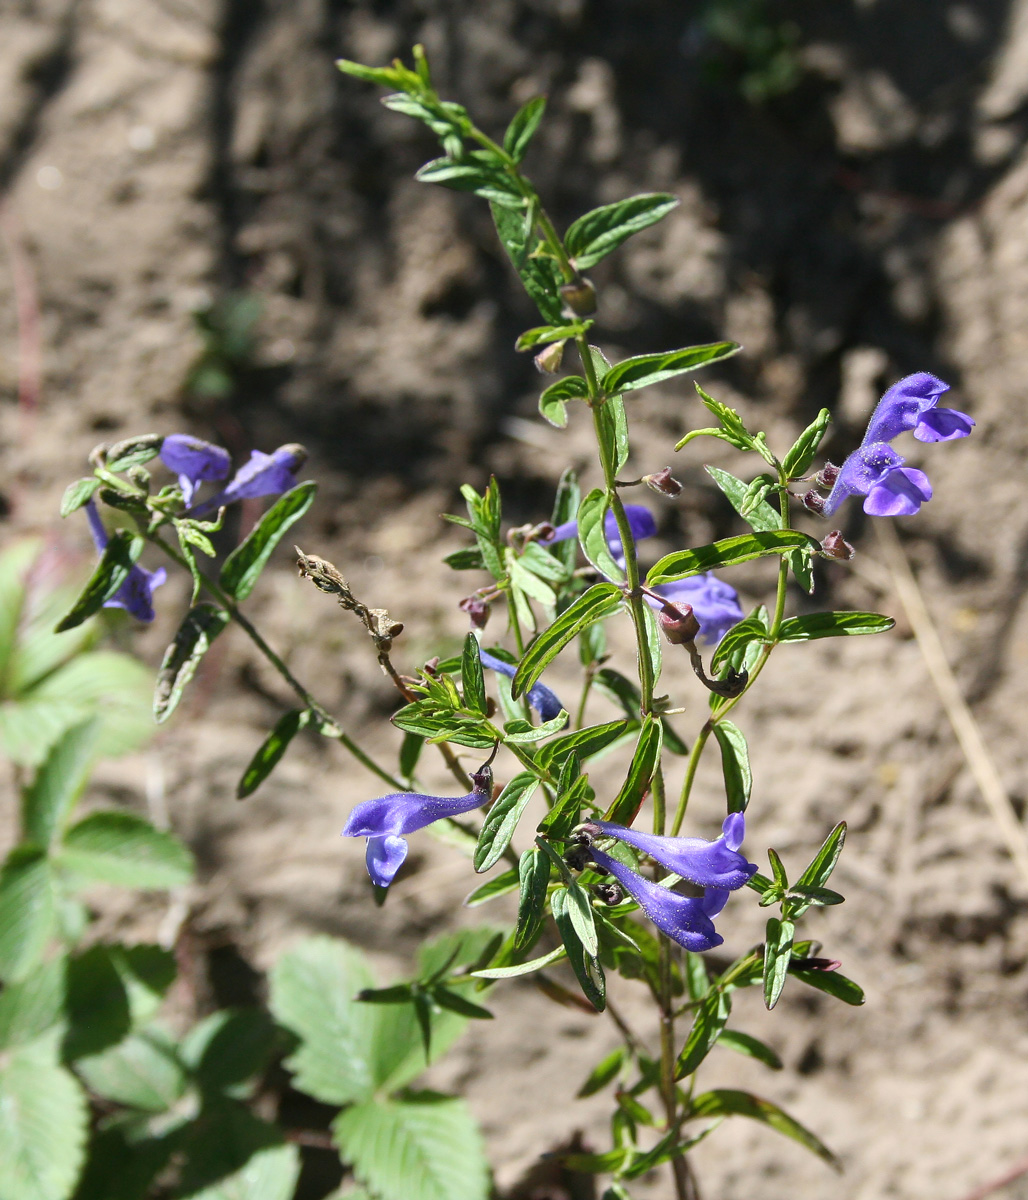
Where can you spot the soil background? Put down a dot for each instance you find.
(157, 156)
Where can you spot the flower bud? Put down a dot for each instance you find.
(813, 502)
(293, 454)
(679, 624)
(579, 297)
(98, 455)
(662, 481)
(577, 858)
(609, 893)
(548, 359)
(477, 609)
(834, 545)
(140, 476)
(826, 477)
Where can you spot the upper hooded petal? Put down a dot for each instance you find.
(710, 864)
(902, 405)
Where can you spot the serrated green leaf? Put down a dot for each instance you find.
(725, 1102)
(124, 849)
(832, 624)
(707, 1026)
(735, 765)
(421, 1147)
(229, 1047)
(230, 1154)
(598, 602)
(728, 552)
(76, 494)
(200, 626)
(271, 750)
(27, 910)
(592, 534)
(48, 800)
(117, 560)
(502, 820)
(744, 1043)
(597, 233)
(33, 1005)
(646, 369)
(141, 1072)
(586, 967)
(801, 454)
(522, 128)
(640, 773)
(97, 1008)
(44, 1126)
(777, 954)
(244, 565)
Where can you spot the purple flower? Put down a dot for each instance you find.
(640, 521)
(912, 403)
(876, 472)
(716, 864)
(545, 703)
(715, 604)
(685, 919)
(136, 593)
(263, 475)
(383, 822)
(194, 460)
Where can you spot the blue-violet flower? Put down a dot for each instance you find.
(912, 403)
(545, 703)
(263, 475)
(710, 864)
(136, 593)
(383, 822)
(194, 460)
(876, 472)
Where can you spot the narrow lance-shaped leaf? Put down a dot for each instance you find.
(577, 903)
(762, 517)
(200, 626)
(646, 369)
(831, 983)
(777, 954)
(728, 552)
(525, 968)
(502, 820)
(598, 602)
(243, 566)
(833, 624)
(707, 1027)
(726, 1102)
(499, 885)
(586, 967)
(472, 677)
(640, 774)
(117, 560)
(745, 1043)
(801, 455)
(271, 750)
(540, 276)
(583, 742)
(534, 876)
(597, 233)
(565, 508)
(522, 128)
(592, 515)
(735, 765)
(76, 494)
(553, 401)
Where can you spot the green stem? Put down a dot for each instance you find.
(310, 702)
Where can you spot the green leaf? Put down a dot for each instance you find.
(832, 624)
(200, 626)
(96, 1004)
(502, 820)
(542, 335)
(605, 1070)
(522, 128)
(27, 911)
(586, 967)
(823, 863)
(533, 879)
(778, 870)
(469, 559)
(525, 968)
(749, 629)
(531, 585)
(583, 742)
(117, 560)
(565, 508)
(44, 1127)
(472, 677)
(383, 76)
(597, 233)
(707, 1027)
(801, 563)
(499, 885)
(646, 369)
(544, 564)
(243, 566)
(831, 983)
(598, 602)
(592, 514)
(640, 773)
(777, 954)
(575, 902)
(724, 1102)
(735, 765)
(141, 1072)
(752, 1047)
(76, 494)
(230, 1154)
(762, 517)
(124, 849)
(455, 1002)
(540, 276)
(425, 718)
(271, 750)
(133, 452)
(421, 1147)
(612, 431)
(565, 813)
(728, 552)
(801, 455)
(47, 802)
(653, 642)
(33, 1005)
(229, 1047)
(552, 403)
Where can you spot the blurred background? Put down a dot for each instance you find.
(207, 229)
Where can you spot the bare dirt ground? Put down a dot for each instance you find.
(873, 221)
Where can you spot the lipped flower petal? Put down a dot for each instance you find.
(539, 697)
(384, 858)
(262, 475)
(899, 494)
(877, 472)
(683, 918)
(942, 425)
(715, 604)
(136, 594)
(710, 864)
(194, 460)
(912, 404)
